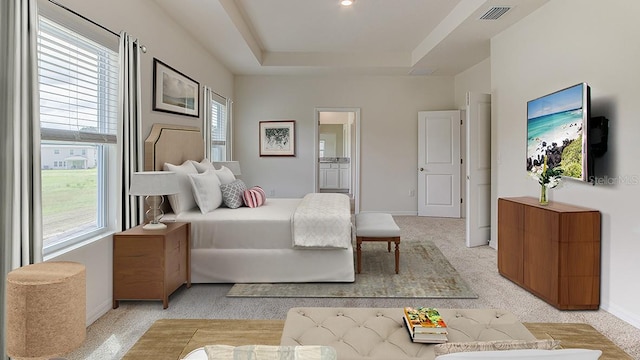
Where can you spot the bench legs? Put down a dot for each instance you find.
(389, 240)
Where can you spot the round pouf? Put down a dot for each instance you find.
(46, 309)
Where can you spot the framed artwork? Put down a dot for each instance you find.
(174, 92)
(277, 138)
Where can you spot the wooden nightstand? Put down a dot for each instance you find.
(151, 264)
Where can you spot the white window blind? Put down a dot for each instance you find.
(219, 130)
(78, 87)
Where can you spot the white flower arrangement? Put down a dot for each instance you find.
(546, 176)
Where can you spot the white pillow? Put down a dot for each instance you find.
(494, 345)
(184, 199)
(196, 354)
(225, 175)
(563, 354)
(206, 191)
(203, 165)
(271, 352)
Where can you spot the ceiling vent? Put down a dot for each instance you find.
(495, 13)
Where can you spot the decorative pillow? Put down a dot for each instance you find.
(455, 347)
(184, 199)
(196, 354)
(526, 354)
(206, 191)
(225, 175)
(271, 352)
(254, 197)
(232, 193)
(203, 165)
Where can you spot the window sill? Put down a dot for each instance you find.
(77, 245)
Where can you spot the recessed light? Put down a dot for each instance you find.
(346, 2)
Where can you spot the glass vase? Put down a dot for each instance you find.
(543, 195)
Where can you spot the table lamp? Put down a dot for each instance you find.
(153, 185)
(46, 309)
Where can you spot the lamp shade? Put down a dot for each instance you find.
(154, 183)
(46, 309)
(234, 166)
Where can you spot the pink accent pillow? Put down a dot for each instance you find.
(254, 197)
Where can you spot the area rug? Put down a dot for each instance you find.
(424, 273)
(172, 339)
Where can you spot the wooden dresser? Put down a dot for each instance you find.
(552, 251)
(151, 264)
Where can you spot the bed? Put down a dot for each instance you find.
(260, 244)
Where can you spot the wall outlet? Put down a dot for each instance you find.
(272, 192)
(412, 193)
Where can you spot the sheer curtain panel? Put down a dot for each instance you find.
(20, 210)
(131, 118)
(207, 121)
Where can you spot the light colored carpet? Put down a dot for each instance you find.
(424, 273)
(171, 339)
(111, 336)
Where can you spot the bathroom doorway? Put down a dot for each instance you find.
(338, 152)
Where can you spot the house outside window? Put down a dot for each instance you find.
(78, 79)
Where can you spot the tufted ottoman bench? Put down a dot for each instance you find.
(378, 333)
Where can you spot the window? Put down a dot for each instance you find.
(78, 113)
(220, 144)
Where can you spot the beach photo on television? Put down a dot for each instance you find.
(554, 129)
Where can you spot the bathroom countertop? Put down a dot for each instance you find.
(335, 160)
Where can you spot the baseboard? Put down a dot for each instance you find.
(396, 213)
(621, 314)
(99, 311)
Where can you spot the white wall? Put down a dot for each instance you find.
(561, 44)
(389, 109)
(475, 79)
(169, 43)
(166, 41)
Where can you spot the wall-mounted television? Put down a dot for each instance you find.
(558, 127)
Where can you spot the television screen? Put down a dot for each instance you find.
(556, 127)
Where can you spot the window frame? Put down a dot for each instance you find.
(215, 106)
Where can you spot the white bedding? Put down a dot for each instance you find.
(322, 220)
(255, 245)
(264, 227)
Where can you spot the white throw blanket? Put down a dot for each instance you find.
(322, 220)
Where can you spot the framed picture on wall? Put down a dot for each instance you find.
(277, 138)
(174, 92)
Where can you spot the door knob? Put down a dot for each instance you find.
(421, 169)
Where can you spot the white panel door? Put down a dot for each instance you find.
(478, 168)
(439, 163)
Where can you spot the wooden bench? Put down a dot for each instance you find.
(376, 227)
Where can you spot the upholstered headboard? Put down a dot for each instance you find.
(172, 144)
